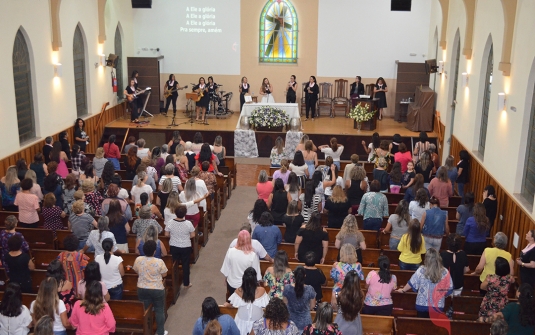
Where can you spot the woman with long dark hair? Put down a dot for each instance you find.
(379, 92)
(380, 285)
(59, 156)
(398, 223)
(15, 318)
(491, 205)
(475, 230)
(299, 167)
(66, 291)
(323, 323)
(456, 262)
(411, 246)
(80, 136)
(464, 211)
(292, 186)
(209, 312)
(259, 207)
(300, 298)
(349, 303)
(206, 155)
(310, 201)
(291, 90)
(292, 220)
(463, 171)
(202, 90)
(312, 237)
(19, 263)
(520, 316)
(311, 97)
(111, 269)
(249, 298)
(92, 274)
(278, 275)
(526, 260)
(278, 201)
(131, 162)
(266, 91)
(419, 205)
(93, 315)
(118, 224)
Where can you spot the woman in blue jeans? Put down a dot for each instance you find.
(150, 289)
(111, 269)
(373, 207)
(434, 225)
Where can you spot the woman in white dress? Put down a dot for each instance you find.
(249, 299)
(266, 90)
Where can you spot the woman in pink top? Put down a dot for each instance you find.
(403, 156)
(263, 187)
(440, 188)
(28, 205)
(380, 285)
(92, 315)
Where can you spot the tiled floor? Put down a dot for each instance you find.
(248, 173)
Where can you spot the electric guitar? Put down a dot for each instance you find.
(168, 93)
(132, 97)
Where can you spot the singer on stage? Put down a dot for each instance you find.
(171, 86)
(202, 90)
(244, 89)
(133, 101)
(267, 91)
(311, 96)
(291, 95)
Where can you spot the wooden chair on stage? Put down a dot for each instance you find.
(369, 90)
(326, 98)
(341, 96)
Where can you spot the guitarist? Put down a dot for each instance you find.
(171, 86)
(202, 90)
(133, 101)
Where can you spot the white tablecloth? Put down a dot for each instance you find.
(292, 140)
(245, 143)
(291, 109)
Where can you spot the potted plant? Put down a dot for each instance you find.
(269, 118)
(361, 113)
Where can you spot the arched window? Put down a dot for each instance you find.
(119, 69)
(278, 32)
(528, 180)
(78, 50)
(486, 103)
(22, 77)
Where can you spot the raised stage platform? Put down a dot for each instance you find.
(157, 131)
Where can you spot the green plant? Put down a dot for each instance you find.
(268, 116)
(361, 113)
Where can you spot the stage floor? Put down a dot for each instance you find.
(321, 126)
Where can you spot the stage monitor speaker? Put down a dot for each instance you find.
(400, 5)
(141, 3)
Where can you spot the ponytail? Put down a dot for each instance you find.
(299, 275)
(107, 245)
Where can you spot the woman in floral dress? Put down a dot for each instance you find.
(497, 286)
(323, 323)
(278, 275)
(348, 262)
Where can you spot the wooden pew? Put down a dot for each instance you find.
(223, 192)
(227, 174)
(233, 167)
(418, 326)
(39, 238)
(132, 317)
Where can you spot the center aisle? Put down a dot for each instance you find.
(205, 276)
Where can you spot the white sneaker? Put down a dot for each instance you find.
(165, 332)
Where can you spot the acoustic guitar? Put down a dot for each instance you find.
(168, 93)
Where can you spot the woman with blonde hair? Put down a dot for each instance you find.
(163, 194)
(238, 259)
(10, 186)
(92, 197)
(277, 153)
(311, 158)
(47, 303)
(301, 145)
(171, 205)
(181, 161)
(282, 173)
(337, 207)
(219, 150)
(99, 161)
(151, 234)
(190, 194)
(140, 187)
(348, 262)
(433, 284)
(349, 233)
(266, 90)
(263, 188)
(36, 188)
(451, 170)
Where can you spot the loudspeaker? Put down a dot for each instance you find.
(141, 3)
(399, 5)
(112, 60)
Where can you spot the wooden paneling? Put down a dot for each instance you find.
(94, 128)
(409, 76)
(149, 76)
(515, 218)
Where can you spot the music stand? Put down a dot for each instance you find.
(143, 110)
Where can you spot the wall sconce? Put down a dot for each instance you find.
(464, 79)
(441, 67)
(58, 70)
(501, 101)
(102, 59)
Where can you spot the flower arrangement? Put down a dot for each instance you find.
(361, 113)
(268, 116)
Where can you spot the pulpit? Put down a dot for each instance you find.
(371, 124)
(421, 111)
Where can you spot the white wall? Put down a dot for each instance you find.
(507, 130)
(54, 98)
(364, 37)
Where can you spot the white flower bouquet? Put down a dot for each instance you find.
(268, 116)
(361, 113)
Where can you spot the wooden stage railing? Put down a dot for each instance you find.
(515, 218)
(94, 127)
